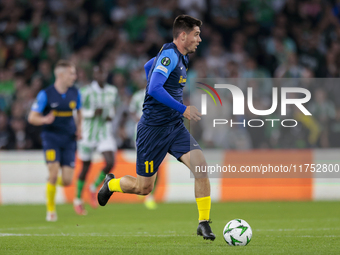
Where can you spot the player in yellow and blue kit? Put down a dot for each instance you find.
(161, 129)
(53, 109)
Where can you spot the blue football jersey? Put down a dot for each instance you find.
(173, 65)
(62, 106)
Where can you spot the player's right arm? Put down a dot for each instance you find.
(148, 66)
(35, 116)
(192, 113)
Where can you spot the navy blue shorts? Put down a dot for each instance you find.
(59, 148)
(153, 143)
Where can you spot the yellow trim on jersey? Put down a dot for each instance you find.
(63, 113)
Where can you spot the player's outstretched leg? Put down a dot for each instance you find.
(104, 193)
(109, 160)
(78, 204)
(140, 186)
(202, 192)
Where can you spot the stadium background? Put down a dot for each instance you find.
(247, 39)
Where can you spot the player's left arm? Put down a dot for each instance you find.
(79, 117)
(111, 110)
(166, 63)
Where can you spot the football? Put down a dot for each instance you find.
(237, 233)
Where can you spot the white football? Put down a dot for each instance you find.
(237, 233)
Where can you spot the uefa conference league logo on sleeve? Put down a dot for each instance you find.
(238, 105)
(165, 62)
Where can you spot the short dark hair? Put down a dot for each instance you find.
(63, 63)
(184, 23)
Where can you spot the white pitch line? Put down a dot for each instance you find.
(309, 236)
(297, 229)
(141, 233)
(20, 228)
(101, 235)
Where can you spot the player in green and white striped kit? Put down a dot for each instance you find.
(98, 101)
(136, 106)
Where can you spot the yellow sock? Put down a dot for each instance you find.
(114, 185)
(50, 197)
(203, 205)
(60, 181)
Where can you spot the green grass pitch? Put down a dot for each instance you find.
(278, 228)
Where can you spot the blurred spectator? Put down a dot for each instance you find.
(45, 73)
(323, 110)
(122, 111)
(82, 78)
(194, 8)
(81, 35)
(135, 25)
(264, 11)
(6, 134)
(334, 130)
(18, 126)
(6, 82)
(17, 110)
(279, 45)
(3, 52)
(19, 57)
(216, 58)
(97, 26)
(36, 85)
(238, 53)
(225, 18)
(311, 57)
(252, 70)
(122, 11)
(290, 69)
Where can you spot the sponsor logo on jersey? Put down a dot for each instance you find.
(181, 80)
(54, 105)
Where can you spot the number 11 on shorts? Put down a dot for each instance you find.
(147, 163)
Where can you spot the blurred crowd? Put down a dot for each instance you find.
(241, 39)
